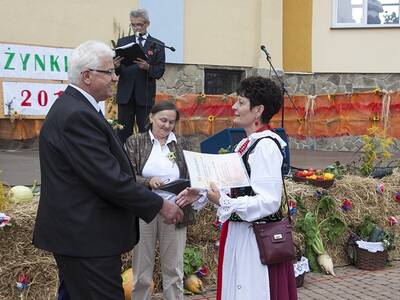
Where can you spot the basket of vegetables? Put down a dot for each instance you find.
(315, 177)
(368, 245)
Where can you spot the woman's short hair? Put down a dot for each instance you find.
(165, 105)
(262, 91)
(140, 13)
(86, 56)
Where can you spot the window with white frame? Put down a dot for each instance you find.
(365, 13)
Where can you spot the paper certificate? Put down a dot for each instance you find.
(225, 170)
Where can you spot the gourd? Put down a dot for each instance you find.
(194, 284)
(20, 194)
(127, 283)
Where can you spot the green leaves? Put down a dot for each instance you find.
(332, 227)
(191, 260)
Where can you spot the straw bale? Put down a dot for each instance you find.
(361, 192)
(17, 254)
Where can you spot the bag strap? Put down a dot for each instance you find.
(246, 164)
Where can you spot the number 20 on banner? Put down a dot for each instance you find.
(27, 98)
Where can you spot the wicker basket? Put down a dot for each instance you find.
(326, 184)
(300, 280)
(320, 183)
(370, 261)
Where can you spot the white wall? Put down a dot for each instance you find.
(362, 50)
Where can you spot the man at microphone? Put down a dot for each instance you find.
(137, 83)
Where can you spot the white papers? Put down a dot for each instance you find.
(126, 46)
(225, 170)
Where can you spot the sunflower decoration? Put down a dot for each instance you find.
(201, 98)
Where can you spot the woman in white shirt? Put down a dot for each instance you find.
(157, 158)
(241, 276)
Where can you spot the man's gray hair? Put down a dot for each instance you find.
(86, 56)
(137, 13)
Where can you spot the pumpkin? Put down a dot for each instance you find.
(194, 284)
(20, 194)
(127, 283)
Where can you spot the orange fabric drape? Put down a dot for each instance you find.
(315, 116)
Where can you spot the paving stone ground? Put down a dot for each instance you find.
(350, 283)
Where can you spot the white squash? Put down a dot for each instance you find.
(20, 194)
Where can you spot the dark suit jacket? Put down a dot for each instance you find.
(141, 84)
(89, 203)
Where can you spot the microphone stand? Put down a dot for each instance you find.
(162, 45)
(268, 56)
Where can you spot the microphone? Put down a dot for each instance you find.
(263, 49)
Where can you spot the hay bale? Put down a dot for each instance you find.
(360, 191)
(17, 255)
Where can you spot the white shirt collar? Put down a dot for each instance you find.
(171, 138)
(145, 36)
(88, 97)
(257, 135)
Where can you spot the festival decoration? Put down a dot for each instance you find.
(217, 224)
(380, 188)
(202, 271)
(4, 220)
(346, 205)
(397, 197)
(292, 208)
(172, 157)
(23, 282)
(115, 125)
(392, 221)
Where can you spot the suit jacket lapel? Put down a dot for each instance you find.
(147, 44)
(78, 95)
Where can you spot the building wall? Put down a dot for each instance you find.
(61, 23)
(361, 50)
(297, 35)
(230, 32)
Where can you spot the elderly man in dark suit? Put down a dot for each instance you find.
(137, 83)
(90, 202)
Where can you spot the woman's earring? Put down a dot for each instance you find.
(256, 123)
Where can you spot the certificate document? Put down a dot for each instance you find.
(225, 170)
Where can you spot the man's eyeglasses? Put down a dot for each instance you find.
(110, 72)
(137, 24)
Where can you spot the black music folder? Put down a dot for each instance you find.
(175, 186)
(130, 52)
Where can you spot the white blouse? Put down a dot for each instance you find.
(265, 163)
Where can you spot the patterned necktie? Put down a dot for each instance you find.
(141, 39)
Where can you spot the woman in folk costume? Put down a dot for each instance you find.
(241, 276)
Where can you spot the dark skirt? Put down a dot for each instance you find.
(282, 283)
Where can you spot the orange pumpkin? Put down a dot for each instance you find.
(127, 283)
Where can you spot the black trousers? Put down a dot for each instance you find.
(91, 278)
(128, 114)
